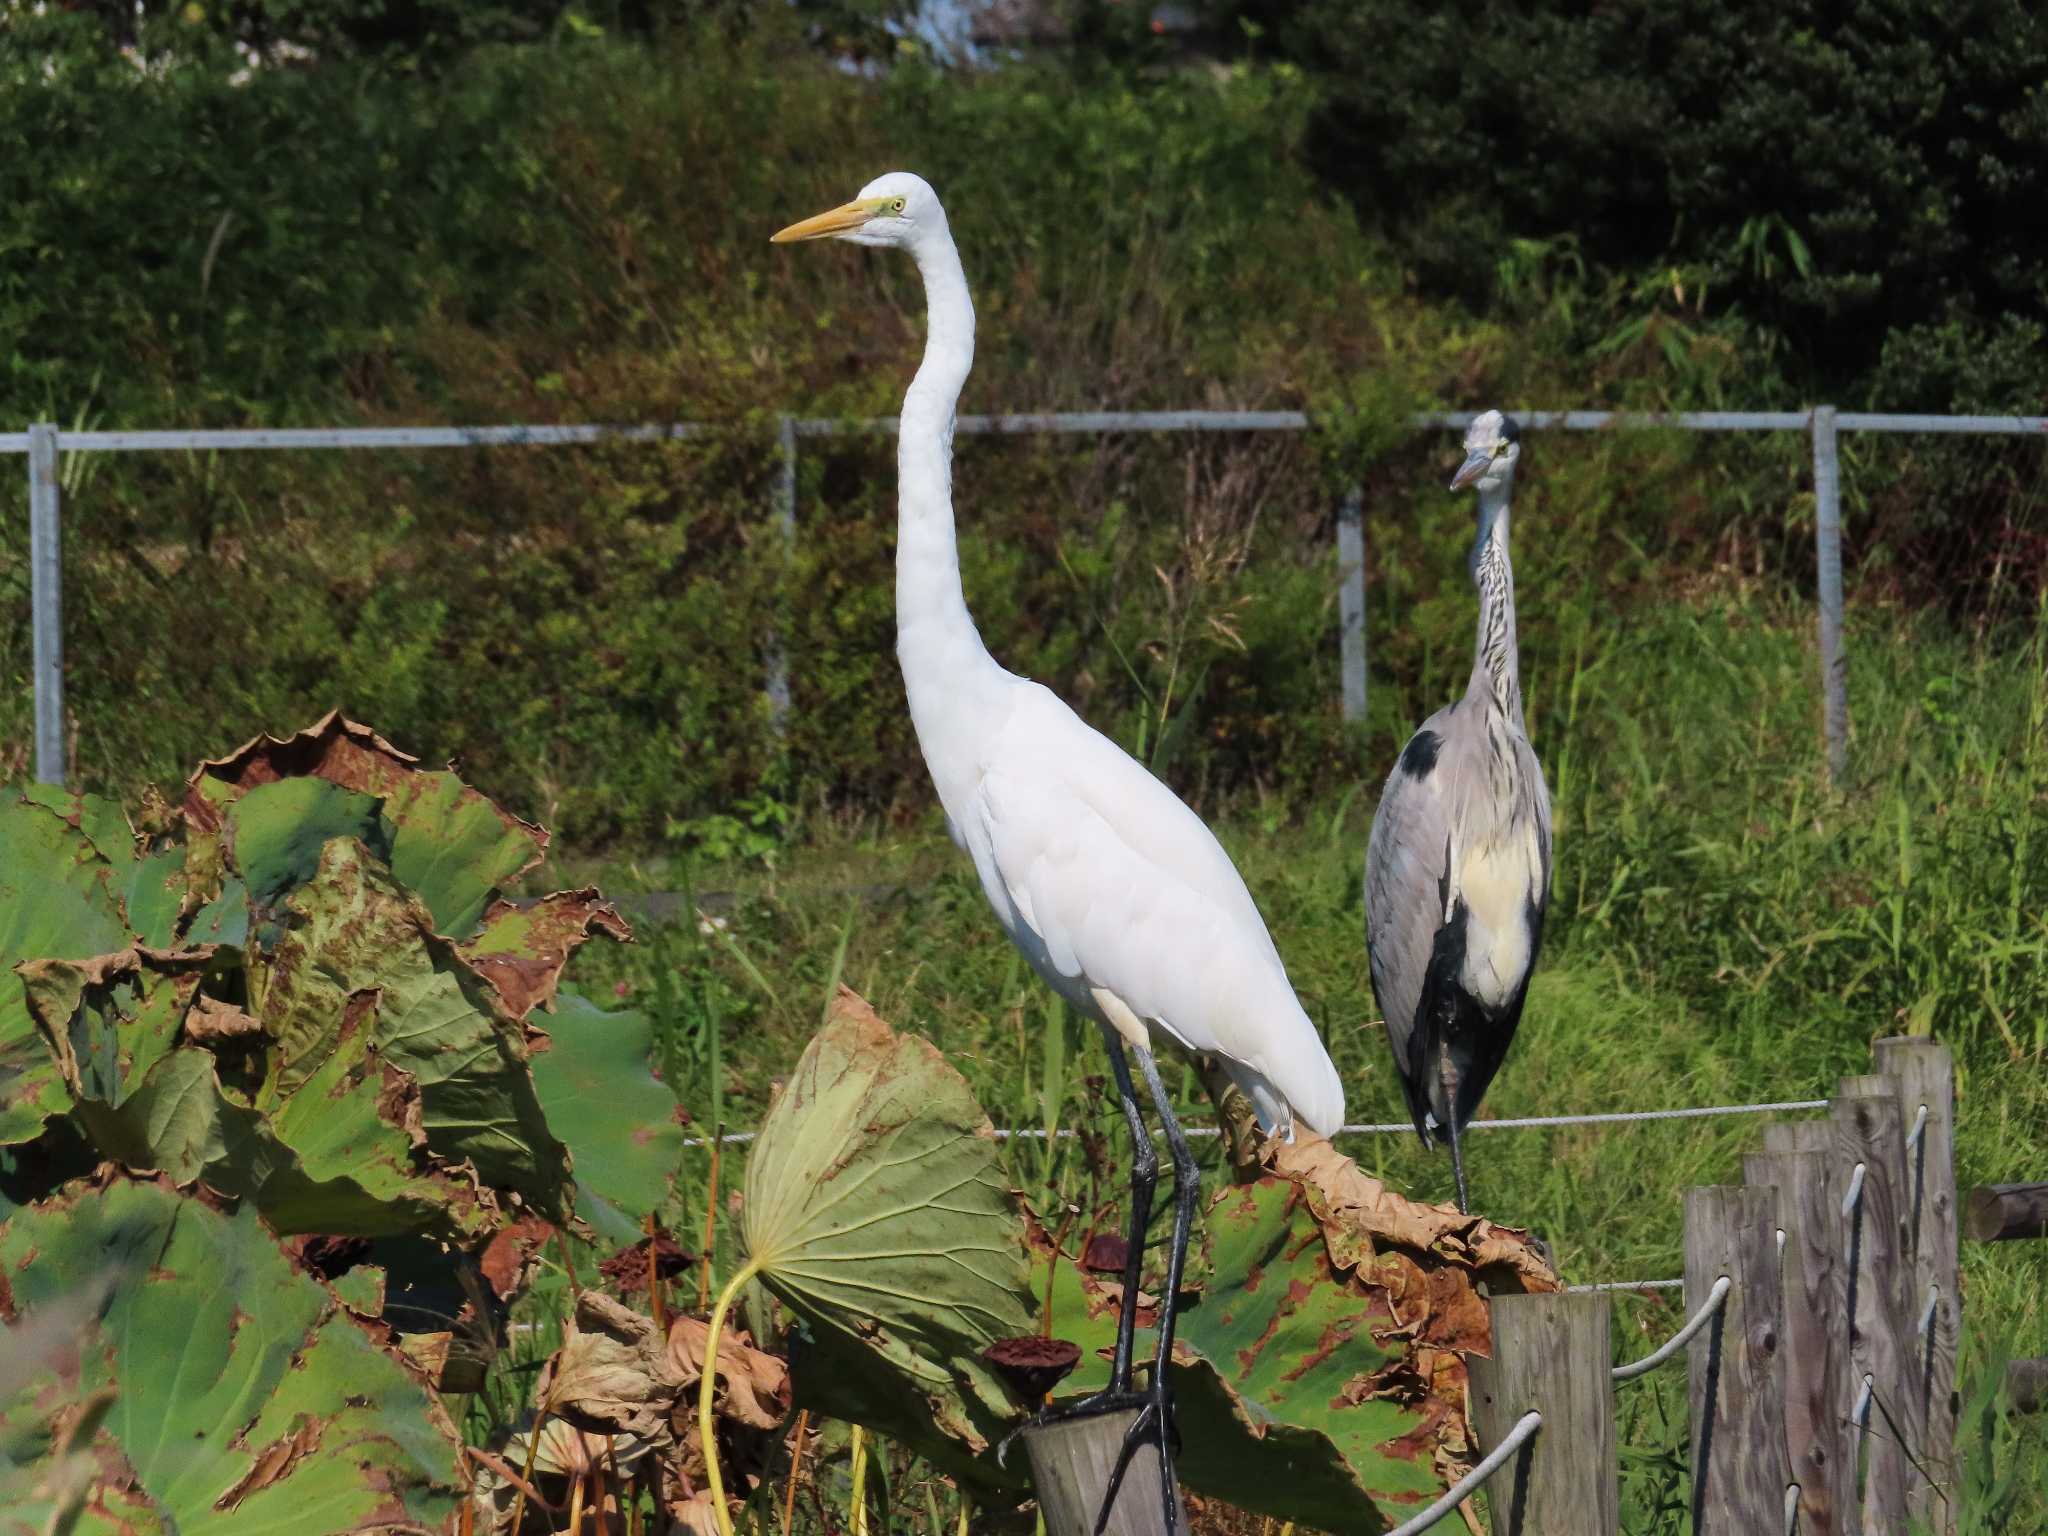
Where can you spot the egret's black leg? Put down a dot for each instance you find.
(1457, 1153)
(1154, 1425)
(1144, 1178)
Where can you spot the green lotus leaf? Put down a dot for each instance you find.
(57, 898)
(276, 831)
(354, 934)
(615, 1116)
(100, 821)
(236, 1396)
(155, 898)
(876, 1208)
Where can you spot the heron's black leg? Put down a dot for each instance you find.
(1457, 1153)
(1144, 1178)
(1154, 1425)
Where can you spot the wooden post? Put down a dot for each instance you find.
(1550, 1353)
(1070, 1464)
(1741, 1466)
(1926, 1076)
(1816, 1348)
(1868, 1132)
(1999, 1212)
(2026, 1383)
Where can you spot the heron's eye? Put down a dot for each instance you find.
(1500, 449)
(896, 205)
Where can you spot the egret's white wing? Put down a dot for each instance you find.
(1120, 886)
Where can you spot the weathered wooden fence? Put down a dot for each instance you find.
(1821, 1341)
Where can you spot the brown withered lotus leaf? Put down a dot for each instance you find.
(1365, 1223)
(509, 1256)
(212, 1022)
(756, 1383)
(332, 748)
(613, 1373)
(617, 1373)
(523, 945)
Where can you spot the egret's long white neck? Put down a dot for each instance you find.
(936, 641)
(1496, 663)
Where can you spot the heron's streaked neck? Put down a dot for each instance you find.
(1496, 664)
(934, 634)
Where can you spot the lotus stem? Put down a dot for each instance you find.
(707, 1386)
(525, 1482)
(710, 1220)
(655, 1309)
(796, 1466)
(860, 1482)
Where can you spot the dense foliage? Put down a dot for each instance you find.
(1863, 183)
(572, 230)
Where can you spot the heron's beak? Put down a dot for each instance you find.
(837, 221)
(1476, 464)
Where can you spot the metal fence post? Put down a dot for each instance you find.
(785, 516)
(46, 587)
(1351, 599)
(1827, 538)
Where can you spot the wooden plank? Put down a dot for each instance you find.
(1551, 1353)
(1793, 1136)
(1868, 1132)
(1070, 1465)
(1926, 1076)
(2001, 1212)
(1818, 1396)
(1741, 1465)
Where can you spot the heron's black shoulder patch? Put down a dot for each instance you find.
(1418, 758)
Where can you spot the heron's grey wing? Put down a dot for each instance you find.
(1407, 878)
(1532, 776)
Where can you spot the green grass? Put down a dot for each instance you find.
(1725, 929)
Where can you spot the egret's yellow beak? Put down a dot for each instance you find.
(837, 221)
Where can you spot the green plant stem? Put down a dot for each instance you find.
(860, 1482)
(707, 1386)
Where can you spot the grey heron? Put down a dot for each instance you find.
(1457, 873)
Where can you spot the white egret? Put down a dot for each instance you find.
(1457, 873)
(1114, 890)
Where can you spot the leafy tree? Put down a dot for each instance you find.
(1864, 179)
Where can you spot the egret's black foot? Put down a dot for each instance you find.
(1093, 1406)
(1153, 1426)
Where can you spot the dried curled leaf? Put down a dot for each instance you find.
(612, 1373)
(756, 1391)
(617, 1373)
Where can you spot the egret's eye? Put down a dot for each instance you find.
(895, 205)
